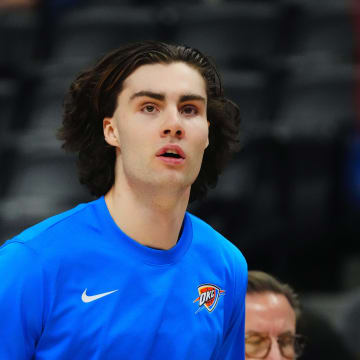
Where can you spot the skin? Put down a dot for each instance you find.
(159, 105)
(271, 314)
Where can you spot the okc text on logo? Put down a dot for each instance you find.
(209, 296)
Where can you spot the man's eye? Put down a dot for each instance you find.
(287, 340)
(149, 109)
(254, 340)
(189, 110)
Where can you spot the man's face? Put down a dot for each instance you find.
(160, 126)
(269, 315)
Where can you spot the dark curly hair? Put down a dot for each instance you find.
(93, 96)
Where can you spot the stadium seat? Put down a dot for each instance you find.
(252, 90)
(247, 89)
(18, 37)
(43, 173)
(317, 100)
(8, 95)
(326, 27)
(46, 111)
(43, 182)
(90, 32)
(234, 34)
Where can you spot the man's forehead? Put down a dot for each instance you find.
(266, 300)
(165, 79)
(269, 310)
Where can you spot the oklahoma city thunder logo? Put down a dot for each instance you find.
(208, 297)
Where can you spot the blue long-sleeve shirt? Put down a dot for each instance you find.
(76, 287)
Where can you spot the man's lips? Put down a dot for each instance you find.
(171, 149)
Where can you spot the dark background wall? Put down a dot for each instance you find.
(290, 200)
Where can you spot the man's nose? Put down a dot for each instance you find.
(172, 125)
(275, 353)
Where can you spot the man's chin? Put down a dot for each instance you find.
(174, 182)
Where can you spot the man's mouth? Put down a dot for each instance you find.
(171, 151)
(172, 155)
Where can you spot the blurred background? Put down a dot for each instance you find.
(290, 200)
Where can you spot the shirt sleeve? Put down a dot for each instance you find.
(21, 304)
(234, 338)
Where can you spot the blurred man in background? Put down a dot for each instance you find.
(272, 310)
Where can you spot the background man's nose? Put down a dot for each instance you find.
(275, 353)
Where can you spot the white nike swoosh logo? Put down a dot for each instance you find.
(86, 299)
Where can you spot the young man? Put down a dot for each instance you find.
(132, 275)
(272, 309)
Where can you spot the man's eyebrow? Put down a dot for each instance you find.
(161, 97)
(256, 333)
(149, 94)
(190, 97)
(286, 333)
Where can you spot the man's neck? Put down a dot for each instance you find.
(152, 219)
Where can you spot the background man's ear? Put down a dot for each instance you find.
(110, 132)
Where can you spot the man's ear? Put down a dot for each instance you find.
(207, 143)
(110, 132)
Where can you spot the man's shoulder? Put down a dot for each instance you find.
(55, 226)
(49, 245)
(209, 239)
